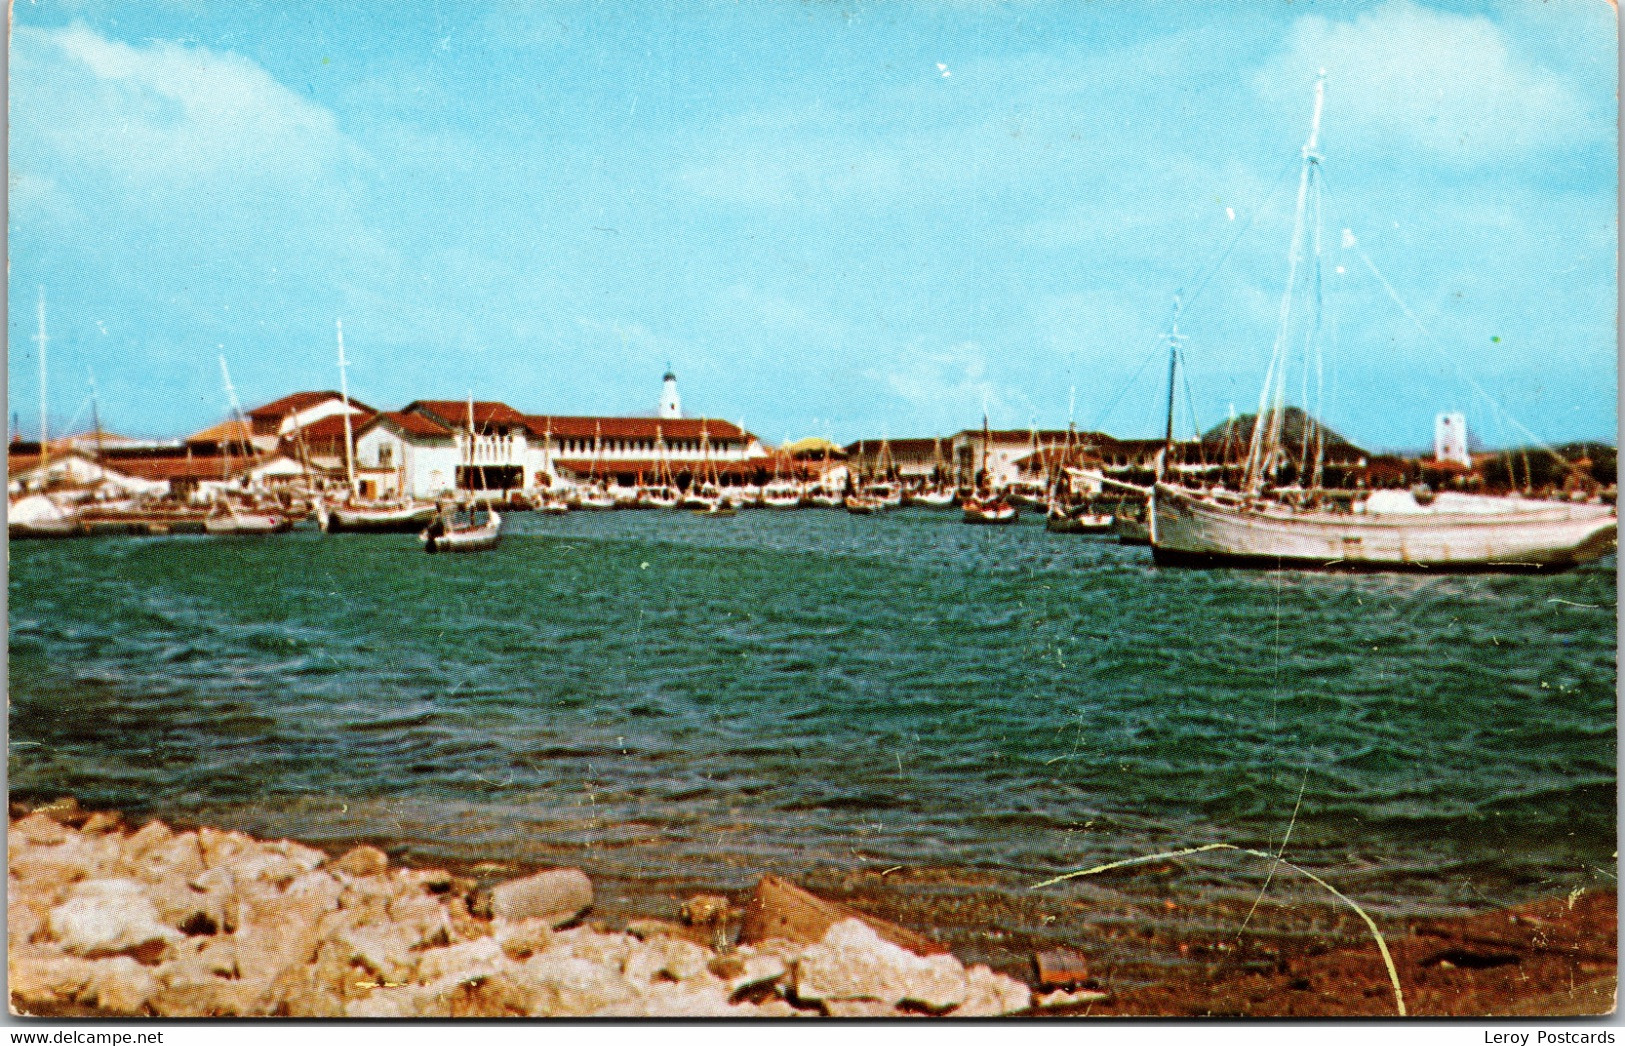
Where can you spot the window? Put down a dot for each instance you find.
(386, 455)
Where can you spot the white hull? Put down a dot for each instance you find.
(392, 519)
(246, 524)
(1190, 529)
(465, 538)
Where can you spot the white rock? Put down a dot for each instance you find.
(578, 987)
(107, 915)
(852, 962)
(760, 968)
(559, 895)
(119, 984)
(992, 994)
(384, 949)
(522, 939)
(669, 958)
(41, 974)
(464, 962)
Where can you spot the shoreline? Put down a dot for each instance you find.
(1552, 957)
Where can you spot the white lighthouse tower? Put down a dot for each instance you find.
(1450, 439)
(670, 405)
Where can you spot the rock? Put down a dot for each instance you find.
(176, 857)
(521, 940)
(644, 929)
(706, 909)
(1060, 968)
(605, 949)
(104, 916)
(45, 975)
(568, 986)
(150, 834)
(990, 994)
(102, 822)
(780, 908)
(301, 992)
(64, 810)
(383, 949)
(424, 915)
(468, 961)
(119, 984)
(23, 920)
(667, 958)
(362, 861)
(859, 1008)
(405, 1001)
(748, 972)
(1057, 1000)
(853, 962)
(677, 1000)
(40, 830)
(559, 896)
(217, 998)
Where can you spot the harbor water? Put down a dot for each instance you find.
(927, 710)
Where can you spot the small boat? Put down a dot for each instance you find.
(230, 521)
(821, 498)
(703, 499)
(445, 534)
(549, 504)
(989, 509)
(658, 497)
(595, 499)
(931, 497)
(1131, 524)
(718, 510)
(781, 496)
(864, 505)
(407, 517)
(1077, 521)
(39, 516)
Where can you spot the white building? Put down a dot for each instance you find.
(671, 408)
(1450, 439)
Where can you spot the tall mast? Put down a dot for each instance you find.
(44, 436)
(95, 415)
(1174, 338)
(236, 416)
(1261, 448)
(344, 395)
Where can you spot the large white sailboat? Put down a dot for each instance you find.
(1302, 526)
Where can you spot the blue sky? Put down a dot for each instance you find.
(845, 219)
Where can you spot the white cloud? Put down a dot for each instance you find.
(1449, 83)
(950, 385)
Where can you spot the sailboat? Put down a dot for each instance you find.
(984, 505)
(1300, 527)
(595, 496)
(447, 533)
(404, 516)
(228, 519)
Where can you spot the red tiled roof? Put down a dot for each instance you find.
(233, 430)
(16, 463)
(299, 401)
(454, 413)
(409, 424)
(195, 468)
(330, 428)
(651, 466)
(568, 427)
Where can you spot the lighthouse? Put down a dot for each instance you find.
(670, 405)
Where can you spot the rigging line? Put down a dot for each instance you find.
(1213, 270)
(1129, 384)
(1461, 374)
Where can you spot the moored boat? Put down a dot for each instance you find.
(384, 517)
(989, 509)
(446, 534)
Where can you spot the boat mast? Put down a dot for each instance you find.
(96, 417)
(1261, 449)
(44, 436)
(344, 395)
(1174, 338)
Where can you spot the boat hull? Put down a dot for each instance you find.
(390, 521)
(1196, 532)
(463, 539)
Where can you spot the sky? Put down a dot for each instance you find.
(846, 218)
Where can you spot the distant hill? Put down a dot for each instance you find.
(1239, 431)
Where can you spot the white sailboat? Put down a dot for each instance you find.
(447, 533)
(1303, 528)
(40, 515)
(986, 506)
(228, 519)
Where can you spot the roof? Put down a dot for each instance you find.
(454, 413)
(913, 448)
(652, 466)
(574, 427)
(414, 425)
(198, 467)
(298, 401)
(813, 445)
(331, 427)
(232, 431)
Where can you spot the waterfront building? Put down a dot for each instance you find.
(1450, 439)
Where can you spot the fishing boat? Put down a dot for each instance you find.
(1301, 526)
(717, 510)
(41, 516)
(985, 506)
(1081, 519)
(863, 504)
(377, 517)
(1131, 522)
(353, 516)
(659, 496)
(781, 495)
(228, 519)
(595, 498)
(449, 534)
(549, 503)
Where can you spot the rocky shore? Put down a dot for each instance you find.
(108, 918)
